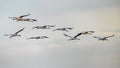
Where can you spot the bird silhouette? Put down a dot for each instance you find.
(20, 18)
(63, 29)
(38, 37)
(15, 34)
(104, 38)
(74, 37)
(44, 27)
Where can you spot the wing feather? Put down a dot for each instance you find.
(20, 30)
(78, 35)
(110, 36)
(24, 15)
(67, 35)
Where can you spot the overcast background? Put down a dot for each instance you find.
(101, 16)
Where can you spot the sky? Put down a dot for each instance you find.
(101, 16)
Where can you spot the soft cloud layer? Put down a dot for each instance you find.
(60, 53)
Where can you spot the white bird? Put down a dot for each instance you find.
(63, 29)
(44, 27)
(104, 38)
(15, 34)
(74, 37)
(19, 18)
(38, 37)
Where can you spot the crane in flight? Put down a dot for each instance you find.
(104, 38)
(44, 27)
(19, 18)
(38, 37)
(74, 37)
(63, 29)
(15, 34)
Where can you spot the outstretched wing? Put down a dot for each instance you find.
(91, 31)
(20, 30)
(7, 34)
(110, 36)
(32, 20)
(24, 15)
(31, 38)
(68, 28)
(50, 25)
(38, 27)
(56, 29)
(42, 37)
(67, 35)
(14, 18)
(78, 35)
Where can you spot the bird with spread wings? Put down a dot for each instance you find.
(104, 38)
(63, 29)
(74, 37)
(38, 37)
(44, 27)
(15, 34)
(20, 18)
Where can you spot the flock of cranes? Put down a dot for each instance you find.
(22, 18)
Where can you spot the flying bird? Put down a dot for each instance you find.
(63, 29)
(44, 27)
(20, 17)
(74, 37)
(104, 38)
(38, 37)
(15, 34)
